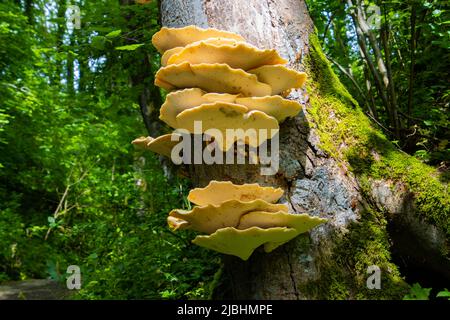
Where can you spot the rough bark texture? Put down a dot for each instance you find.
(313, 265)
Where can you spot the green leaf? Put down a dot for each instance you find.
(444, 294)
(168, 294)
(98, 42)
(114, 34)
(130, 47)
(418, 293)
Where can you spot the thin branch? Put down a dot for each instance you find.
(378, 123)
(352, 79)
(380, 75)
(327, 27)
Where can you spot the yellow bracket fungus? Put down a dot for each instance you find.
(257, 228)
(162, 145)
(279, 78)
(300, 222)
(169, 38)
(215, 41)
(242, 243)
(227, 212)
(230, 90)
(238, 56)
(211, 217)
(220, 116)
(217, 192)
(274, 106)
(178, 101)
(217, 77)
(165, 57)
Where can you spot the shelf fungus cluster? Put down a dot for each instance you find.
(216, 78)
(240, 218)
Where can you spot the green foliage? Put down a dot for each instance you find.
(368, 151)
(425, 127)
(74, 190)
(444, 294)
(366, 244)
(130, 47)
(352, 137)
(418, 293)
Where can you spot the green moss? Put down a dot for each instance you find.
(347, 135)
(216, 283)
(344, 276)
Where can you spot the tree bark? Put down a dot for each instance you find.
(314, 265)
(384, 34)
(380, 75)
(376, 76)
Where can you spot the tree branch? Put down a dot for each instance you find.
(327, 27)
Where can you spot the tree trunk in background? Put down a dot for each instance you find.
(330, 261)
(149, 99)
(70, 69)
(29, 11)
(59, 40)
(412, 49)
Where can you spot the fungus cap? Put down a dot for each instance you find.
(222, 116)
(211, 217)
(239, 55)
(162, 145)
(165, 57)
(176, 223)
(216, 77)
(168, 38)
(300, 222)
(279, 78)
(217, 192)
(180, 100)
(275, 106)
(242, 243)
(215, 41)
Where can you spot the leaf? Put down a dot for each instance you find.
(114, 34)
(428, 123)
(418, 293)
(444, 294)
(98, 42)
(168, 294)
(130, 47)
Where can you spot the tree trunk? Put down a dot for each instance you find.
(149, 99)
(332, 260)
(412, 49)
